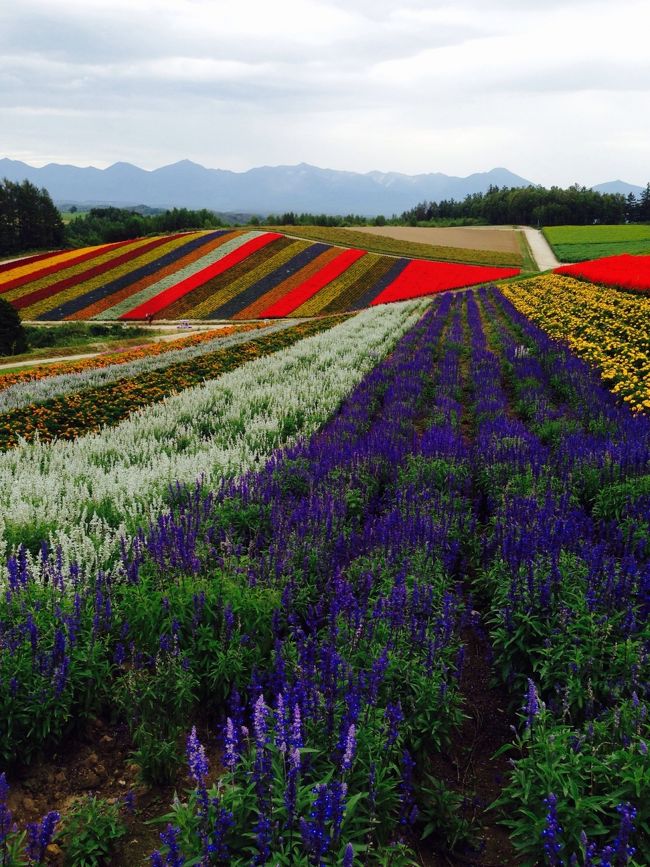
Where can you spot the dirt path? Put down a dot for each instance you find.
(540, 248)
(161, 338)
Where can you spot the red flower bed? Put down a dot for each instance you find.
(169, 296)
(622, 272)
(314, 284)
(91, 253)
(426, 278)
(27, 260)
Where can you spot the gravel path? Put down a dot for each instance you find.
(540, 248)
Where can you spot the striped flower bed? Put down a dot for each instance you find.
(223, 274)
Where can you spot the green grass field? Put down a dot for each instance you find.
(578, 243)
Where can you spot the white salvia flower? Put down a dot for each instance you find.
(221, 428)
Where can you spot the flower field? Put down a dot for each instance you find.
(621, 272)
(225, 274)
(360, 590)
(609, 329)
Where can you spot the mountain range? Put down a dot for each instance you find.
(263, 190)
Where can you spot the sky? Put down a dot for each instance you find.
(558, 91)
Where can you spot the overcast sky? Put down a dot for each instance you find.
(555, 90)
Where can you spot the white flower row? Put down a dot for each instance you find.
(88, 493)
(170, 280)
(39, 390)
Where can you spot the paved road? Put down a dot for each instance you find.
(540, 248)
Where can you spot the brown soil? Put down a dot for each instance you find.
(504, 240)
(100, 763)
(469, 766)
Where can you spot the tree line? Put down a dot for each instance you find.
(106, 225)
(537, 206)
(29, 219)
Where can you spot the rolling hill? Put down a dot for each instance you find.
(222, 274)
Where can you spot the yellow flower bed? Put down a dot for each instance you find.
(248, 279)
(138, 261)
(58, 259)
(608, 328)
(104, 254)
(318, 302)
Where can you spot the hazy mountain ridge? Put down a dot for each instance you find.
(262, 190)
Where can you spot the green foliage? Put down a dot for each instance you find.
(72, 333)
(28, 218)
(12, 334)
(157, 700)
(575, 764)
(535, 206)
(105, 225)
(89, 832)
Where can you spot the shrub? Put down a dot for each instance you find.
(12, 333)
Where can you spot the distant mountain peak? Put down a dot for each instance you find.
(265, 189)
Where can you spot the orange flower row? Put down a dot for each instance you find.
(109, 359)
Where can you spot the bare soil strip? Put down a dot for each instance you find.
(500, 239)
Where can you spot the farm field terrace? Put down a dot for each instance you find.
(579, 243)
(224, 274)
(295, 591)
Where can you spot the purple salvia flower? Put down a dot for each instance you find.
(296, 728)
(281, 725)
(532, 706)
(231, 754)
(394, 717)
(348, 856)
(552, 833)
(6, 816)
(174, 857)
(39, 836)
(350, 746)
(260, 726)
(622, 850)
(263, 839)
(196, 759)
(129, 802)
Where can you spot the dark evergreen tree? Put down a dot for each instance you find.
(29, 219)
(12, 334)
(643, 210)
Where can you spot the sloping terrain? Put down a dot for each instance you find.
(222, 274)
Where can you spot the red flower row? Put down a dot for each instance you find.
(623, 272)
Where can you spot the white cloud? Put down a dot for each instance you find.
(552, 89)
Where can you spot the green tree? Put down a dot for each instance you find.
(28, 218)
(12, 334)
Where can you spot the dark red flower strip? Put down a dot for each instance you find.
(59, 266)
(625, 271)
(27, 260)
(169, 296)
(76, 279)
(314, 284)
(422, 278)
